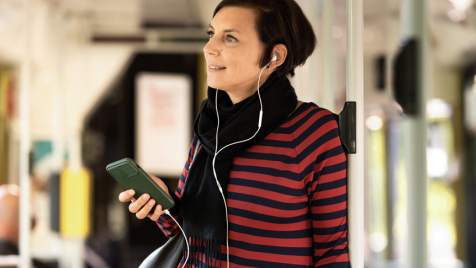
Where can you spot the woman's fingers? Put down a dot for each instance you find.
(135, 206)
(142, 207)
(126, 196)
(144, 211)
(156, 213)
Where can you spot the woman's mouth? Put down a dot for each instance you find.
(215, 68)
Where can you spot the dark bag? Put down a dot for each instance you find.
(170, 254)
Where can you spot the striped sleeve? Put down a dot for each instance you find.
(165, 223)
(324, 167)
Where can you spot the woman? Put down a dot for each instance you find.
(285, 189)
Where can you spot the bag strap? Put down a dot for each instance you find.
(196, 148)
(195, 153)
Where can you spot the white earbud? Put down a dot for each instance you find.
(274, 58)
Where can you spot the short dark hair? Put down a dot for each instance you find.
(280, 22)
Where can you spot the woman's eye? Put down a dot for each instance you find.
(230, 38)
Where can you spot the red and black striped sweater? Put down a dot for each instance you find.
(286, 196)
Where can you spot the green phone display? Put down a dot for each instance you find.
(131, 176)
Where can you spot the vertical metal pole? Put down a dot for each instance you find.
(315, 65)
(58, 99)
(355, 170)
(414, 18)
(24, 180)
(328, 51)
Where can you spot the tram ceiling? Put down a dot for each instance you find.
(185, 21)
(136, 17)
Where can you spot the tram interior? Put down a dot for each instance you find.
(71, 74)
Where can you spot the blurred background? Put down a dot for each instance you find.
(85, 83)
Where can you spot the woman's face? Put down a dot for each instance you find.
(233, 53)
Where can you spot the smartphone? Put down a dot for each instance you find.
(131, 176)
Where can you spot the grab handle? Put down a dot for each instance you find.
(347, 127)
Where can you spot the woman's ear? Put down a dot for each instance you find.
(281, 52)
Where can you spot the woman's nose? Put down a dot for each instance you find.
(211, 48)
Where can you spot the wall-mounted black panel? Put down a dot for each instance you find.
(407, 77)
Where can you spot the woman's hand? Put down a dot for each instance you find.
(142, 206)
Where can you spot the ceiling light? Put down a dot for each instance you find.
(461, 5)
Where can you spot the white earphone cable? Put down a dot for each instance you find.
(219, 186)
(184, 236)
(216, 153)
(166, 211)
